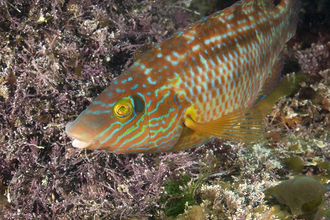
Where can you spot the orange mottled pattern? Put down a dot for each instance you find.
(223, 60)
(208, 70)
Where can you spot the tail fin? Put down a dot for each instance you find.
(295, 6)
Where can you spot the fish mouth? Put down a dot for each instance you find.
(78, 140)
(82, 144)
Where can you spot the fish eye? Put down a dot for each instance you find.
(123, 109)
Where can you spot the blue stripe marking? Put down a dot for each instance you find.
(147, 71)
(97, 102)
(115, 123)
(144, 127)
(164, 130)
(196, 47)
(120, 90)
(98, 112)
(143, 130)
(159, 102)
(153, 125)
(135, 86)
(191, 38)
(151, 82)
(133, 145)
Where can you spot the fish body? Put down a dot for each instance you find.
(201, 83)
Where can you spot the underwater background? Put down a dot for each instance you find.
(57, 56)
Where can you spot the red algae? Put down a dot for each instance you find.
(56, 57)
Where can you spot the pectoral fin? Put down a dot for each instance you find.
(245, 125)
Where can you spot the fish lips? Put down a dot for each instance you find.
(79, 141)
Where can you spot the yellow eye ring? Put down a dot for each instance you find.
(123, 109)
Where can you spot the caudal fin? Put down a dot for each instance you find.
(295, 6)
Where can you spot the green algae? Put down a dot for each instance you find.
(294, 163)
(303, 195)
(178, 193)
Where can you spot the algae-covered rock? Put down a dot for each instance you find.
(196, 212)
(302, 195)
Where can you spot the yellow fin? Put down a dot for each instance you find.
(245, 125)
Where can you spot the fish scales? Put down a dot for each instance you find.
(192, 87)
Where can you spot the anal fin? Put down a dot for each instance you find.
(273, 77)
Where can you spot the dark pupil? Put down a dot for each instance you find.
(139, 104)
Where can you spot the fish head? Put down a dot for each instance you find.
(117, 120)
(141, 112)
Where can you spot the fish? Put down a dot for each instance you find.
(204, 82)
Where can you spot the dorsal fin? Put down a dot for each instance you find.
(139, 52)
(265, 3)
